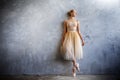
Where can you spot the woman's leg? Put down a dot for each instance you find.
(75, 64)
(74, 68)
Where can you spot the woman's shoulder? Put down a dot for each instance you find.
(78, 21)
(65, 20)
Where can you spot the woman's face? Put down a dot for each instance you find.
(73, 13)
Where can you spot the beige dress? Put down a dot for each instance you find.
(72, 45)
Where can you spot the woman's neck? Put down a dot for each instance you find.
(71, 17)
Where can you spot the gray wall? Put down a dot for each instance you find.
(31, 31)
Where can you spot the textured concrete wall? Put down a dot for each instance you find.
(30, 36)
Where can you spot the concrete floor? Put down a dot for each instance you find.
(61, 77)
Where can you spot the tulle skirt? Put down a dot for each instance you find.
(72, 46)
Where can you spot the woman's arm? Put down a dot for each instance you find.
(78, 29)
(64, 31)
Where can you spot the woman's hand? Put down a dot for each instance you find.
(83, 43)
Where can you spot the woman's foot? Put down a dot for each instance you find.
(74, 72)
(77, 67)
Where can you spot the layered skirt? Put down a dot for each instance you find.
(72, 46)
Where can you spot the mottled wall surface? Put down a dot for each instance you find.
(31, 31)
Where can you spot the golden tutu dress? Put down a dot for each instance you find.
(72, 45)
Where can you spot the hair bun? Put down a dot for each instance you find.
(68, 13)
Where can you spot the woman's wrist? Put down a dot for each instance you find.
(82, 39)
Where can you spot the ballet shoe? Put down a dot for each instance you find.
(77, 67)
(73, 72)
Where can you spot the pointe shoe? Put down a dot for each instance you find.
(73, 72)
(77, 67)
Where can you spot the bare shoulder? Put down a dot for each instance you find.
(65, 21)
(78, 21)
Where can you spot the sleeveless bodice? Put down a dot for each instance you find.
(71, 26)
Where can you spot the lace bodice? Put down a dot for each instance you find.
(71, 26)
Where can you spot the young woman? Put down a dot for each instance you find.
(72, 41)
